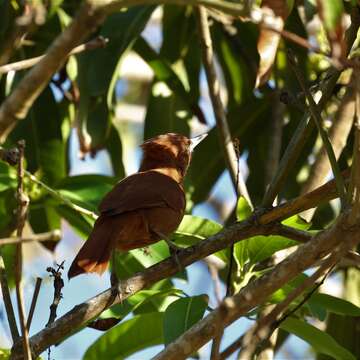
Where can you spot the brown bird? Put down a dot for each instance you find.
(143, 208)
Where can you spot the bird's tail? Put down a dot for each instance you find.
(95, 254)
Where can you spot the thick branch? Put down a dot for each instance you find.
(17, 105)
(259, 290)
(91, 14)
(268, 323)
(96, 43)
(83, 313)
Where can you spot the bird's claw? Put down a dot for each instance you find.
(115, 282)
(174, 251)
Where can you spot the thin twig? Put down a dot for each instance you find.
(54, 235)
(306, 127)
(229, 151)
(11, 156)
(232, 247)
(33, 16)
(23, 203)
(60, 197)
(354, 188)
(338, 133)
(7, 301)
(315, 112)
(58, 285)
(267, 324)
(218, 108)
(236, 345)
(33, 302)
(256, 292)
(98, 42)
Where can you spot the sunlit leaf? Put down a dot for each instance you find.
(181, 315)
(322, 342)
(128, 337)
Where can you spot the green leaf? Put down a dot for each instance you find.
(259, 248)
(164, 72)
(86, 190)
(193, 229)
(114, 148)
(321, 341)
(97, 74)
(43, 217)
(80, 223)
(138, 333)
(243, 209)
(335, 305)
(7, 177)
(205, 170)
(41, 130)
(4, 354)
(137, 260)
(122, 29)
(182, 314)
(141, 298)
(8, 253)
(166, 112)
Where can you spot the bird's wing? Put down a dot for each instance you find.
(143, 190)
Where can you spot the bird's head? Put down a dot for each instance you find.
(171, 152)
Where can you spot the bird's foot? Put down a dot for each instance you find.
(115, 282)
(146, 251)
(174, 251)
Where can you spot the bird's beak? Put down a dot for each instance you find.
(197, 140)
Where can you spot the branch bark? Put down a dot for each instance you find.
(259, 290)
(23, 204)
(98, 42)
(91, 14)
(47, 236)
(306, 127)
(230, 155)
(17, 105)
(85, 312)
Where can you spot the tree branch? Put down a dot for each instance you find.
(85, 312)
(23, 204)
(91, 14)
(54, 235)
(230, 155)
(17, 105)
(59, 196)
(260, 289)
(98, 42)
(267, 324)
(33, 302)
(7, 301)
(306, 127)
(338, 134)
